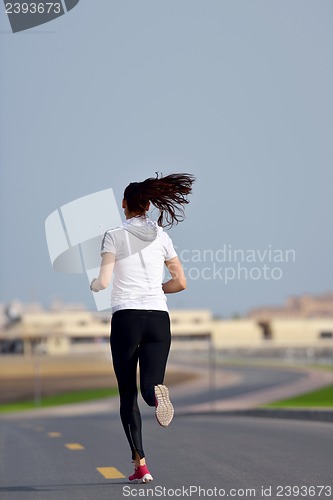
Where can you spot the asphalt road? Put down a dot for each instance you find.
(239, 455)
(58, 458)
(254, 378)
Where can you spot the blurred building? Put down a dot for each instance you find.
(304, 306)
(77, 331)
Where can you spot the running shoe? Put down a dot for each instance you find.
(163, 407)
(141, 475)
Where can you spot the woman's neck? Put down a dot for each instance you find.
(131, 215)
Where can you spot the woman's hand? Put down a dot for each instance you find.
(92, 285)
(177, 283)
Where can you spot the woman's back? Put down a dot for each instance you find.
(141, 249)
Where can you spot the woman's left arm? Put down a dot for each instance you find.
(105, 273)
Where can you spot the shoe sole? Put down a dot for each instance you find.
(164, 410)
(147, 478)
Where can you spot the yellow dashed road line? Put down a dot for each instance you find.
(107, 472)
(110, 472)
(74, 446)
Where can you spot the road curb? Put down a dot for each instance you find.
(316, 415)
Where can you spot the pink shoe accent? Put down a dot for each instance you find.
(141, 475)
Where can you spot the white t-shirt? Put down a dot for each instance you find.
(141, 248)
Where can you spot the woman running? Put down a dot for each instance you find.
(135, 254)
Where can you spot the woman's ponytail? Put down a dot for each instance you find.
(168, 194)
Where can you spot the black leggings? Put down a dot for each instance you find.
(144, 336)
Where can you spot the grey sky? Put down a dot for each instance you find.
(238, 93)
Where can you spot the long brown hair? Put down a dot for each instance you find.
(168, 194)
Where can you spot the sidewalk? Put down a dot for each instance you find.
(249, 404)
(313, 379)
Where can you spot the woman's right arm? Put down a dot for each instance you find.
(177, 283)
(105, 273)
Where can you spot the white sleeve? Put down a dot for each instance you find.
(108, 243)
(170, 252)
